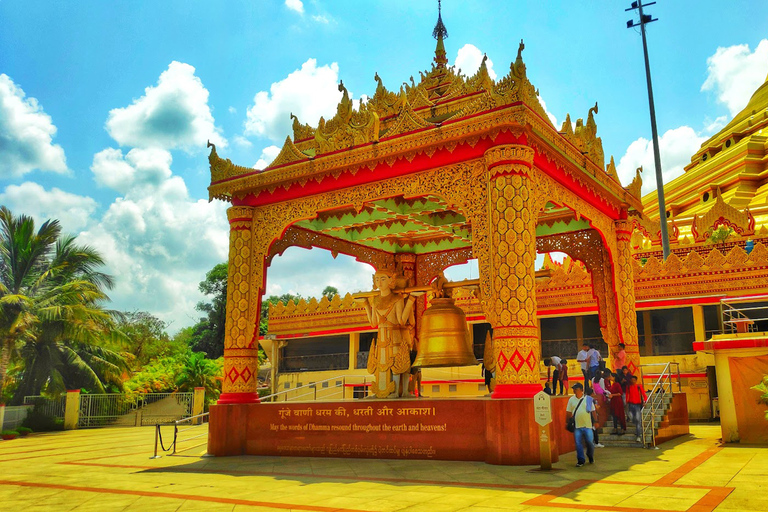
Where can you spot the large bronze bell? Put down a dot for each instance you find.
(444, 339)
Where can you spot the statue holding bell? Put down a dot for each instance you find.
(391, 311)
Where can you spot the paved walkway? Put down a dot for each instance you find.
(110, 469)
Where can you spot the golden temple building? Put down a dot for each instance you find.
(450, 168)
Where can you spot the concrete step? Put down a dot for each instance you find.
(625, 438)
(620, 444)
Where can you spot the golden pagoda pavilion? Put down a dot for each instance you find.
(452, 168)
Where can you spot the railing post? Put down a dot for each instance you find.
(157, 435)
(72, 409)
(198, 403)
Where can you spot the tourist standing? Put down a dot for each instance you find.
(616, 407)
(624, 378)
(635, 400)
(593, 356)
(619, 359)
(554, 377)
(582, 409)
(583, 358)
(595, 427)
(564, 376)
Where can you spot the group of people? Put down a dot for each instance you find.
(620, 391)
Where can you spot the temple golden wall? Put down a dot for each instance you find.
(705, 271)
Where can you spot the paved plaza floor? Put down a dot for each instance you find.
(110, 469)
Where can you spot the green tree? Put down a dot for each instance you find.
(330, 291)
(197, 371)
(51, 310)
(208, 334)
(721, 234)
(147, 339)
(23, 253)
(273, 299)
(159, 376)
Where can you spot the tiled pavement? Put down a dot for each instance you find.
(110, 469)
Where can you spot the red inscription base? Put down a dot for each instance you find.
(494, 431)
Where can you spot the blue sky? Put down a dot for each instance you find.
(105, 107)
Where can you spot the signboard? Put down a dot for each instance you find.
(542, 408)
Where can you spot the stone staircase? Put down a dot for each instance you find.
(628, 440)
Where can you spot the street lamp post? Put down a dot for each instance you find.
(646, 18)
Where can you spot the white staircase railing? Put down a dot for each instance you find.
(658, 398)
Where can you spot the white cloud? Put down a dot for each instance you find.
(139, 168)
(174, 114)
(550, 115)
(241, 141)
(716, 125)
(734, 73)
(469, 58)
(322, 18)
(309, 92)
(295, 5)
(30, 198)
(307, 272)
(268, 154)
(26, 134)
(232, 110)
(676, 147)
(157, 241)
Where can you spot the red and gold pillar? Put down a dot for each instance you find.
(511, 305)
(241, 351)
(624, 285)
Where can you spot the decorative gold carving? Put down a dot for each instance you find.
(301, 131)
(510, 158)
(289, 154)
(637, 184)
(592, 144)
(223, 169)
(511, 301)
(407, 119)
(299, 237)
(722, 214)
(610, 169)
(239, 328)
(348, 127)
(429, 265)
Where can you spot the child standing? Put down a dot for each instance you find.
(595, 426)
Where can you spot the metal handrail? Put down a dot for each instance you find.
(656, 399)
(172, 447)
(312, 385)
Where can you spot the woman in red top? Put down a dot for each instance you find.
(617, 405)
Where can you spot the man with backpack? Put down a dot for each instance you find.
(579, 419)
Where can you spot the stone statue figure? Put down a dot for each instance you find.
(392, 312)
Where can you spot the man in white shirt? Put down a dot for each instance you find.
(555, 362)
(582, 409)
(583, 358)
(593, 357)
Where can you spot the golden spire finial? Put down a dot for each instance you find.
(440, 33)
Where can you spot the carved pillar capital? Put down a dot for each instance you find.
(509, 159)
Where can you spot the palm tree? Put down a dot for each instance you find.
(52, 315)
(199, 372)
(22, 256)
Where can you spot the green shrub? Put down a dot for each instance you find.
(9, 433)
(23, 431)
(40, 422)
(763, 388)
